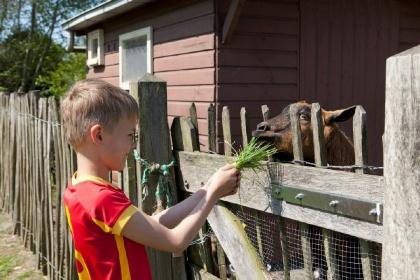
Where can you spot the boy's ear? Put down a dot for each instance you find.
(95, 134)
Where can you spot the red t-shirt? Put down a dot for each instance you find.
(96, 213)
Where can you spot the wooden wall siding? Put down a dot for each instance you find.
(409, 25)
(183, 52)
(259, 65)
(344, 46)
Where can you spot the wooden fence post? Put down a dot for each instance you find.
(154, 147)
(401, 246)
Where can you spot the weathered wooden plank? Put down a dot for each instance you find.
(235, 243)
(221, 261)
(194, 121)
(246, 134)
(154, 132)
(284, 249)
(211, 121)
(296, 133)
(200, 274)
(306, 250)
(227, 132)
(184, 136)
(255, 191)
(265, 112)
(330, 254)
(360, 139)
(318, 133)
(401, 248)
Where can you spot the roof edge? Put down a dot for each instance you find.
(100, 13)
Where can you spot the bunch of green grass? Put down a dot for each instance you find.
(253, 155)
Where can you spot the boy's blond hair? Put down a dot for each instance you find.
(94, 101)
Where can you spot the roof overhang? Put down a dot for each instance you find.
(101, 13)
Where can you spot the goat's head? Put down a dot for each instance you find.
(277, 131)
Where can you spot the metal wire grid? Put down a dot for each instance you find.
(263, 231)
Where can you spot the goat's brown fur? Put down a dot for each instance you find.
(339, 148)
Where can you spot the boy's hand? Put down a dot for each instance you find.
(226, 180)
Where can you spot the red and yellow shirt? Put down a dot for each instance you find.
(96, 213)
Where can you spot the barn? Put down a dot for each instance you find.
(249, 53)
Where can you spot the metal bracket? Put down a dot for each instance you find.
(355, 208)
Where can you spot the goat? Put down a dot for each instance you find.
(339, 148)
(339, 151)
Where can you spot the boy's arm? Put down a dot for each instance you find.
(149, 232)
(172, 216)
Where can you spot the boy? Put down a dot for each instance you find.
(109, 233)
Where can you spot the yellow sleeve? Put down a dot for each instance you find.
(123, 219)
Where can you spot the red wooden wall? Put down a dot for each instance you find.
(331, 52)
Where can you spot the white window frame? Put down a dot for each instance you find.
(97, 34)
(147, 31)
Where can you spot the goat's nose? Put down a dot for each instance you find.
(263, 126)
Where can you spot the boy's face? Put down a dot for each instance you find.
(118, 144)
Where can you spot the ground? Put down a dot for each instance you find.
(16, 261)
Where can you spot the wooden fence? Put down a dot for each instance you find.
(354, 191)
(36, 158)
(36, 164)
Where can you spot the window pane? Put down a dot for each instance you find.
(94, 48)
(135, 59)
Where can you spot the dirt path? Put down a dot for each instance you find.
(16, 261)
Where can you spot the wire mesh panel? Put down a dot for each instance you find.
(344, 251)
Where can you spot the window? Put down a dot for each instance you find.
(96, 48)
(135, 55)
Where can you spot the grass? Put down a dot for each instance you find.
(7, 264)
(253, 155)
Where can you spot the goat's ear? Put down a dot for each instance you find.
(339, 115)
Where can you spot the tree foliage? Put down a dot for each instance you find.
(32, 55)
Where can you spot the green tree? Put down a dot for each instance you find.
(59, 80)
(30, 39)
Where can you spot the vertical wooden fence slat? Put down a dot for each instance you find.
(296, 134)
(361, 158)
(27, 199)
(55, 218)
(360, 138)
(18, 168)
(2, 129)
(6, 155)
(265, 112)
(12, 153)
(211, 122)
(298, 155)
(284, 248)
(155, 147)
(227, 136)
(402, 167)
(221, 261)
(318, 133)
(330, 254)
(306, 250)
(43, 227)
(184, 135)
(321, 160)
(182, 132)
(246, 134)
(194, 121)
(34, 100)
